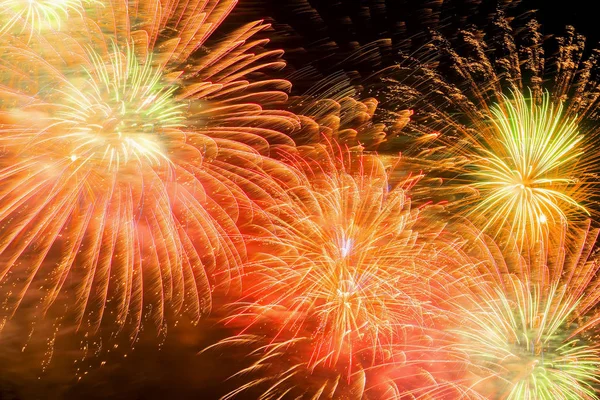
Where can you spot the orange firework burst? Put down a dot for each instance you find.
(132, 150)
(345, 275)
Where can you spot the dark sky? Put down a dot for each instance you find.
(579, 13)
(173, 369)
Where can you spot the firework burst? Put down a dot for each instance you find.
(340, 223)
(526, 171)
(531, 336)
(348, 276)
(520, 334)
(119, 175)
(511, 152)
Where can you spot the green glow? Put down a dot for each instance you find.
(36, 15)
(522, 338)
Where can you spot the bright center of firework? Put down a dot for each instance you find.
(524, 188)
(345, 247)
(121, 112)
(531, 356)
(346, 289)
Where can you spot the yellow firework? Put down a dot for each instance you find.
(526, 167)
(505, 119)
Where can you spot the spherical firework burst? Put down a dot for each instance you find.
(334, 242)
(128, 164)
(531, 336)
(525, 171)
(347, 272)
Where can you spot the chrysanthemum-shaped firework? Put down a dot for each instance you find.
(525, 167)
(132, 151)
(344, 275)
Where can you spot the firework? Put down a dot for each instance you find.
(512, 153)
(520, 338)
(128, 165)
(530, 336)
(526, 171)
(348, 276)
